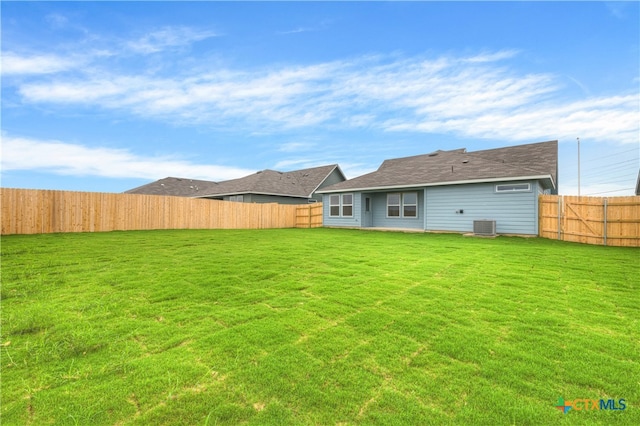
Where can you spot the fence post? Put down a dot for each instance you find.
(559, 216)
(605, 222)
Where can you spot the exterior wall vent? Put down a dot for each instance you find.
(484, 227)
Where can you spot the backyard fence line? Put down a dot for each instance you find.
(27, 211)
(309, 216)
(612, 221)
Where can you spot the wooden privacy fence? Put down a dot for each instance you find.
(613, 221)
(309, 216)
(40, 211)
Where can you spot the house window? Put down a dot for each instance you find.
(514, 187)
(393, 205)
(410, 204)
(334, 205)
(402, 204)
(341, 205)
(347, 205)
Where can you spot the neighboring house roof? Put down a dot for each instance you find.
(638, 184)
(298, 183)
(531, 161)
(175, 186)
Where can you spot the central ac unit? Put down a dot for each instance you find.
(484, 227)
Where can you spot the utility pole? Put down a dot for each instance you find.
(578, 166)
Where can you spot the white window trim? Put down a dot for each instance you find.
(405, 204)
(508, 191)
(402, 204)
(334, 205)
(399, 194)
(341, 204)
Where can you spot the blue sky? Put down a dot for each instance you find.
(107, 96)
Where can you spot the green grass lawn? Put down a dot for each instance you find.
(318, 326)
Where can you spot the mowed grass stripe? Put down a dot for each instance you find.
(316, 326)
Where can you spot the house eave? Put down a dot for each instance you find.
(228, 194)
(459, 182)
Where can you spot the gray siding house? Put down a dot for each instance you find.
(266, 186)
(448, 191)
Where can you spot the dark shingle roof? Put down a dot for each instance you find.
(298, 183)
(538, 160)
(180, 187)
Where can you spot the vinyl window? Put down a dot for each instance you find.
(410, 204)
(393, 205)
(514, 187)
(334, 206)
(347, 205)
(341, 205)
(402, 204)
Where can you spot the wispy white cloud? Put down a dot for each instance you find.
(298, 163)
(57, 20)
(617, 9)
(168, 37)
(16, 64)
(352, 170)
(492, 56)
(582, 86)
(19, 153)
(473, 96)
(296, 30)
(296, 146)
(77, 91)
(607, 119)
(319, 26)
